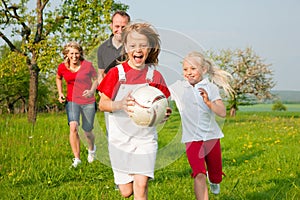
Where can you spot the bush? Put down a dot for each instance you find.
(278, 106)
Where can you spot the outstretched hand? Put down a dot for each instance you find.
(87, 93)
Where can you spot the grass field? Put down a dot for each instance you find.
(268, 107)
(261, 160)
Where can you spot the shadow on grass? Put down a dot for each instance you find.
(242, 159)
(283, 189)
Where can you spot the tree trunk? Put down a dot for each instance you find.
(33, 92)
(23, 106)
(9, 106)
(232, 111)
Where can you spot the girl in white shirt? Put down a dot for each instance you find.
(198, 101)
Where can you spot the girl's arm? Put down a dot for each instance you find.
(107, 105)
(216, 106)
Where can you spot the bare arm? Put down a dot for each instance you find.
(107, 105)
(95, 84)
(91, 92)
(100, 75)
(61, 96)
(217, 106)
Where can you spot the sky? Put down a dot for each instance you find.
(270, 27)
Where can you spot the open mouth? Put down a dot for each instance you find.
(189, 77)
(138, 59)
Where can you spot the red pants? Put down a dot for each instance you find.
(205, 156)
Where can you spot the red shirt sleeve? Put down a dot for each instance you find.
(159, 82)
(110, 83)
(59, 69)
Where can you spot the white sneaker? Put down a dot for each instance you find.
(91, 155)
(76, 162)
(117, 187)
(214, 188)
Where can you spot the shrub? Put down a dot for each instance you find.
(278, 106)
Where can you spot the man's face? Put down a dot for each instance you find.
(117, 25)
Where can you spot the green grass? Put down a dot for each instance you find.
(268, 107)
(260, 159)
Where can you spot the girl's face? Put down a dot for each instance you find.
(137, 49)
(191, 71)
(73, 55)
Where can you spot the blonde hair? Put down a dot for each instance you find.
(66, 50)
(216, 75)
(153, 39)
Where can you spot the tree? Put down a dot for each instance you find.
(14, 80)
(278, 106)
(252, 78)
(44, 30)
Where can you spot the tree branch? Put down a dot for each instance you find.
(39, 26)
(6, 12)
(26, 31)
(44, 5)
(9, 43)
(58, 21)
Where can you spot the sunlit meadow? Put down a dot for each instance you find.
(261, 160)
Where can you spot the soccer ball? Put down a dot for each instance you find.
(150, 106)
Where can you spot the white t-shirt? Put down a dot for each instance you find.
(198, 121)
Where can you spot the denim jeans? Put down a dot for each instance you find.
(87, 112)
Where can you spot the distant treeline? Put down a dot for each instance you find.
(287, 96)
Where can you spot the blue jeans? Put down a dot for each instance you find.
(87, 112)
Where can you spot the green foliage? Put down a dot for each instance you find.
(14, 80)
(260, 160)
(43, 32)
(278, 106)
(88, 21)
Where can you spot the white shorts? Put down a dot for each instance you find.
(124, 178)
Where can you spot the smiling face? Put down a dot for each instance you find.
(73, 55)
(137, 49)
(192, 71)
(117, 25)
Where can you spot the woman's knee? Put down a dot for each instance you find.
(89, 135)
(73, 126)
